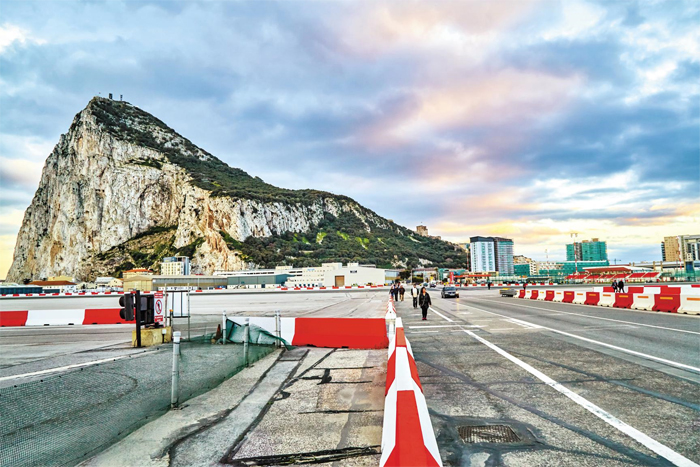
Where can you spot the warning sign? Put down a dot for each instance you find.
(158, 308)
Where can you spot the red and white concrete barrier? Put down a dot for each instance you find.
(61, 317)
(352, 333)
(558, 296)
(407, 436)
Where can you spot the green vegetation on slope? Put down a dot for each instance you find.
(129, 123)
(352, 243)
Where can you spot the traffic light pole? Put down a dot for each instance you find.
(138, 318)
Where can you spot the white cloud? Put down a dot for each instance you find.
(10, 33)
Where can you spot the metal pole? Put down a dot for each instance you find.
(138, 318)
(278, 327)
(175, 385)
(188, 317)
(246, 337)
(223, 328)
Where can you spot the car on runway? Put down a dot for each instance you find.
(449, 291)
(508, 292)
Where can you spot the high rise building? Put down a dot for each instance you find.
(587, 250)
(175, 266)
(492, 254)
(504, 255)
(482, 254)
(681, 248)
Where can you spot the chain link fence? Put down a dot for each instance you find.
(65, 418)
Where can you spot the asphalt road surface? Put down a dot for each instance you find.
(29, 349)
(577, 385)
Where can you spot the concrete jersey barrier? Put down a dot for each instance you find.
(407, 434)
(64, 317)
(352, 333)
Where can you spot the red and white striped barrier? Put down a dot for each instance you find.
(61, 317)
(652, 298)
(352, 333)
(276, 289)
(407, 435)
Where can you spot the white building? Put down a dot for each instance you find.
(175, 266)
(335, 274)
(326, 275)
(483, 254)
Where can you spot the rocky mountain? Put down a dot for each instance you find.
(121, 189)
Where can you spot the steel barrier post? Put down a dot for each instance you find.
(278, 327)
(223, 329)
(246, 337)
(175, 384)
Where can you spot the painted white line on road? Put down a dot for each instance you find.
(660, 449)
(594, 317)
(621, 349)
(441, 315)
(420, 332)
(520, 323)
(436, 326)
(61, 368)
(449, 326)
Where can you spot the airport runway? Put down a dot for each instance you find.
(487, 360)
(37, 348)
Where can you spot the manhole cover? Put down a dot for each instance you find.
(487, 434)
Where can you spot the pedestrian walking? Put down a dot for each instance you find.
(391, 290)
(614, 285)
(396, 292)
(488, 285)
(414, 294)
(524, 285)
(402, 291)
(424, 302)
(621, 286)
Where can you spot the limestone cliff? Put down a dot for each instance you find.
(122, 189)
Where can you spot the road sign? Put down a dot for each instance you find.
(158, 308)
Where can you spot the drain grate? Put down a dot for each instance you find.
(488, 434)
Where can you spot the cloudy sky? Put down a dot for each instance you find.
(527, 119)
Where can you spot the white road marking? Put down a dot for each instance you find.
(420, 332)
(441, 315)
(595, 317)
(621, 349)
(61, 368)
(437, 326)
(521, 323)
(660, 449)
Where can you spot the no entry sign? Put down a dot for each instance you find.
(158, 308)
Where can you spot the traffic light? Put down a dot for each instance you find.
(147, 308)
(126, 301)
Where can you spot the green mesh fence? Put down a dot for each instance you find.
(64, 419)
(256, 335)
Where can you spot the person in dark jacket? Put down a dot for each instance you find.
(621, 286)
(614, 285)
(424, 302)
(402, 291)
